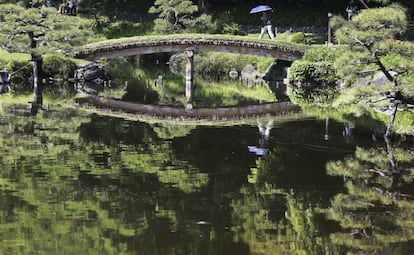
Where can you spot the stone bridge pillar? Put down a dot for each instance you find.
(189, 79)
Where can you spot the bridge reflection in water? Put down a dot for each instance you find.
(282, 108)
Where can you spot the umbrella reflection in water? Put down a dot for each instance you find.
(264, 131)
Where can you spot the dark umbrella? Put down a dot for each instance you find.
(260, 8)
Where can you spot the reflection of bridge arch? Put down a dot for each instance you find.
(220, 113)
(235, 44)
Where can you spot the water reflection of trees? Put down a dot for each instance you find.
(79, 183)
(376, 213)
(65, 194)
(279, 212)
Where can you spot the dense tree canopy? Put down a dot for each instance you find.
(369, 46)
(41, 30)
(178, 16)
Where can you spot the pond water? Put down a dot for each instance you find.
(74, 182)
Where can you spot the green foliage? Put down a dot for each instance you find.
(399, 57)
(215, 66)
(202, 24)
(132, 80)
(364, 61)
(57, 66)
(111, 8)
(301, 71)
(140, 82)
(374, 197)
(126, 29)
(211, 67)
(20, 2)
(229, 94)
(232, 28)
(17, 64)
(226, 24)
(315, 96)
(49, 160)
(54, 65)
(99, 11)
(352, 63)
(370, 47)
(179, 16)
(60, 68)
(52, 31)
(298, 37)
(371, 25)
(170, 131)
(316, 67)
(320, 73)
(323, 54)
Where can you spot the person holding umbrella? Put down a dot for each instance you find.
(267, 22)
(267, 26)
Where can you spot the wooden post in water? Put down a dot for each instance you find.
(189, 79)
(326, 136)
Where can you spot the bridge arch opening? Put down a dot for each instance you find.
(145, 46)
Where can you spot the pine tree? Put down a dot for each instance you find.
(372, 33)
(41, 30)
(175, 16)
(38, 31)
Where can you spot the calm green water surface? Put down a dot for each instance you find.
(79, 183)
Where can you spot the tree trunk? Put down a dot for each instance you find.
(391, 121)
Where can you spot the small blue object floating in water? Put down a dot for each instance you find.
(258, 151)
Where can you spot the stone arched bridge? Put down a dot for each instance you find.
(195, 42)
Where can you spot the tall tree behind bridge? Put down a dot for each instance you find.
(53, 32)
(104, 11)
(176, 16)
(98, 10)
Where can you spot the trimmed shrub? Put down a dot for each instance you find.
(298, 37)
(312, 72)
(316, 67)
(232, 28)
(301, 71)
(57, 66)
(211, 68)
